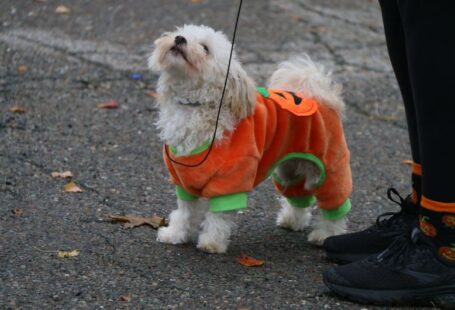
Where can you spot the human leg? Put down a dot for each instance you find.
(376, 238)
(419, 269)
(430, 40)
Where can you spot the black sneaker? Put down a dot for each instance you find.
(375, 239)
(408, 272)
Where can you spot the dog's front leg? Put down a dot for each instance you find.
(183, 222)
(216, 230)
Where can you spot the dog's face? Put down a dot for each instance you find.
(199, 56)
(192, 50)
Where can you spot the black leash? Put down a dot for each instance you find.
(221, 101)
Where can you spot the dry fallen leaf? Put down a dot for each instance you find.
(125, 297)
(319, 29)
(17, 212)
(407, 162)
(249, 261)
(61, 9)
(65, 254)
(16, 109)
(21, 69)
(132, 221)
(152, 93)
(113, 104)
(72, 187)
(64, 174)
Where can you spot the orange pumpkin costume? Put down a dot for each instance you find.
(284, 126)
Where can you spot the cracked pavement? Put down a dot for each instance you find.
(77, 60)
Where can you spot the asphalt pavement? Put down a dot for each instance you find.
(60, 59)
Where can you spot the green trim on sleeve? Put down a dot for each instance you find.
(197, 150)
(336, 214)
(228, 202)
(182, 194)
(263, 91)
(302, 202)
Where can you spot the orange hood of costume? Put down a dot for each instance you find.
(284, 126)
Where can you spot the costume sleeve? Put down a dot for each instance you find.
(190, 181)
(182, 194)
(333, 195)
(227, 189)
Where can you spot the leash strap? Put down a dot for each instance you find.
(221, 101)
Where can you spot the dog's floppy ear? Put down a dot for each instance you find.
(153, 63)
(154, 58)
(240, 92)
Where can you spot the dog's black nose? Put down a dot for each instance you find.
(179, 40)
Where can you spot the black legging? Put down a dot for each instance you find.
(420, 37)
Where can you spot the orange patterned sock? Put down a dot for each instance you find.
(437, 221)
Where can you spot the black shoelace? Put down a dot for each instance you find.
(390, 219)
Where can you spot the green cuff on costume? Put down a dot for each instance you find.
(302, 202)
(263, 91)
(183, 194)
(336, 214)
(195, 151)
(228, 202)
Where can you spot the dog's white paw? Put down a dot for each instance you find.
(318, 236)
(327, 228)
(215, 233)
(293, 218)
(210, 246)
(171, 235)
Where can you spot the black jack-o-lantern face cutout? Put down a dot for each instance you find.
(295, 103)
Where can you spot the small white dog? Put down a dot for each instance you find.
(292, 129)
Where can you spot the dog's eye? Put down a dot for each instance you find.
(206, 49)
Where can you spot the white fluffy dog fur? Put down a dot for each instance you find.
(192, 75)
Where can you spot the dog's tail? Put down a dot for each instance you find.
(312, 80)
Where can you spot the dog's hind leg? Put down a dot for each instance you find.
(183, 222)
(295, 213)
(293, 218)
(215, 233)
